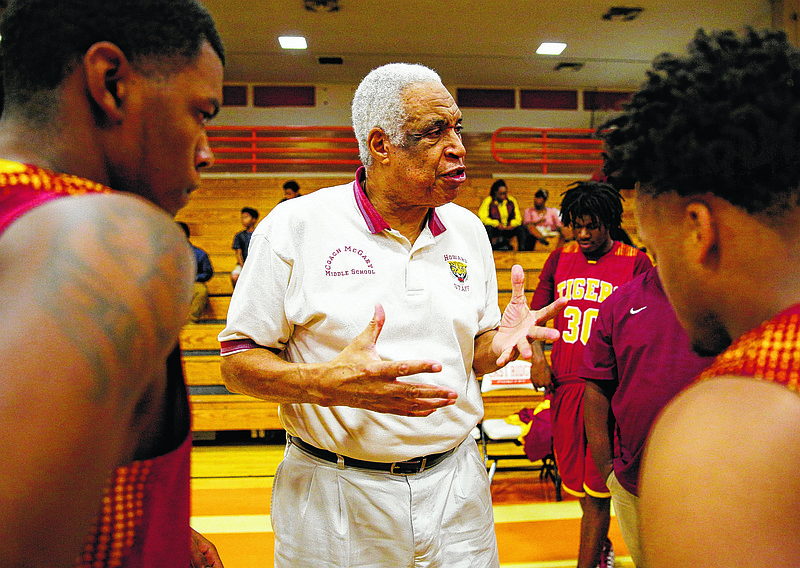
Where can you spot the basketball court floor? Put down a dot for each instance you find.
(231, 487)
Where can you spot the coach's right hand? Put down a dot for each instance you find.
(358, 377)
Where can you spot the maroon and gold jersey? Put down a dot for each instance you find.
(144, 518)
(23, 188)
(770, 352)
(586, 283)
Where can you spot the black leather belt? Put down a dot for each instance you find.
(408, 467)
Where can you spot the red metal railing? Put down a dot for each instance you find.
(547, 146)
(250, 147)
(262, 145)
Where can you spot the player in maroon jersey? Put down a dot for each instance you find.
(584, 271)
(102, 139)
(711, 138)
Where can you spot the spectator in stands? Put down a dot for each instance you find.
(636, 360)
(291, 189)
(542, 222)
(711, 138)
(585, 272)
(203, 273)
(241, 241)
(502, 217)
(376, 458)
(102, 137)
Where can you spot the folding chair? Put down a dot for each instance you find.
(493, 431)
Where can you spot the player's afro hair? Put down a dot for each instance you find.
(600, 201)
(723, 119)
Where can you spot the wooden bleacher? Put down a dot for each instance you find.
(213, 217)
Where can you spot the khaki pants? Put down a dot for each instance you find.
(626, 508)
(199, 301)
(325, 517)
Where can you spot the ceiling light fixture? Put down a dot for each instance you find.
(551, 48)
(293, 42)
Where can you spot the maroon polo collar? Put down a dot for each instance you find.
(376, 223)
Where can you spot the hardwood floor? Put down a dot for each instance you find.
(232, 483)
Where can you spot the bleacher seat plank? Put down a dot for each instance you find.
(223, 262)
(502, 403)
(533, 260)
(220, 284)
(221, 216)
(216, 244)
(242, 412)
(202, 370)
(200, 336)
(212, 412)
(217, 308)
(221, 235)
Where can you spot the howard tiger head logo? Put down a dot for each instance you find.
(458, 268)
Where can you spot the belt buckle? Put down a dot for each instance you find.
(415, 466)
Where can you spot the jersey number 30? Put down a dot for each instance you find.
(579, 324)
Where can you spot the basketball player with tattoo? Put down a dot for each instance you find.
(102, 137)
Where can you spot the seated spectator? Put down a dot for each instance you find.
(291, 189)
(542, 222)
(241, 241)
(502, 218)
(203, 273)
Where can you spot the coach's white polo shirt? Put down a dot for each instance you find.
(316, 267)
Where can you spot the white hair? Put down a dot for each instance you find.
(378, 101)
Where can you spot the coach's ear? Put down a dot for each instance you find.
(701, 234)
(378, 144)
(108, 76)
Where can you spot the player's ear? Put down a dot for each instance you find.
(108, 73)
(701, 234)
(378, 144)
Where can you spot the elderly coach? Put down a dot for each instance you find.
(380, 469)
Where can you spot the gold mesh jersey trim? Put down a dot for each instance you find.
(114, 529)
(13, 174)
(770, 353)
